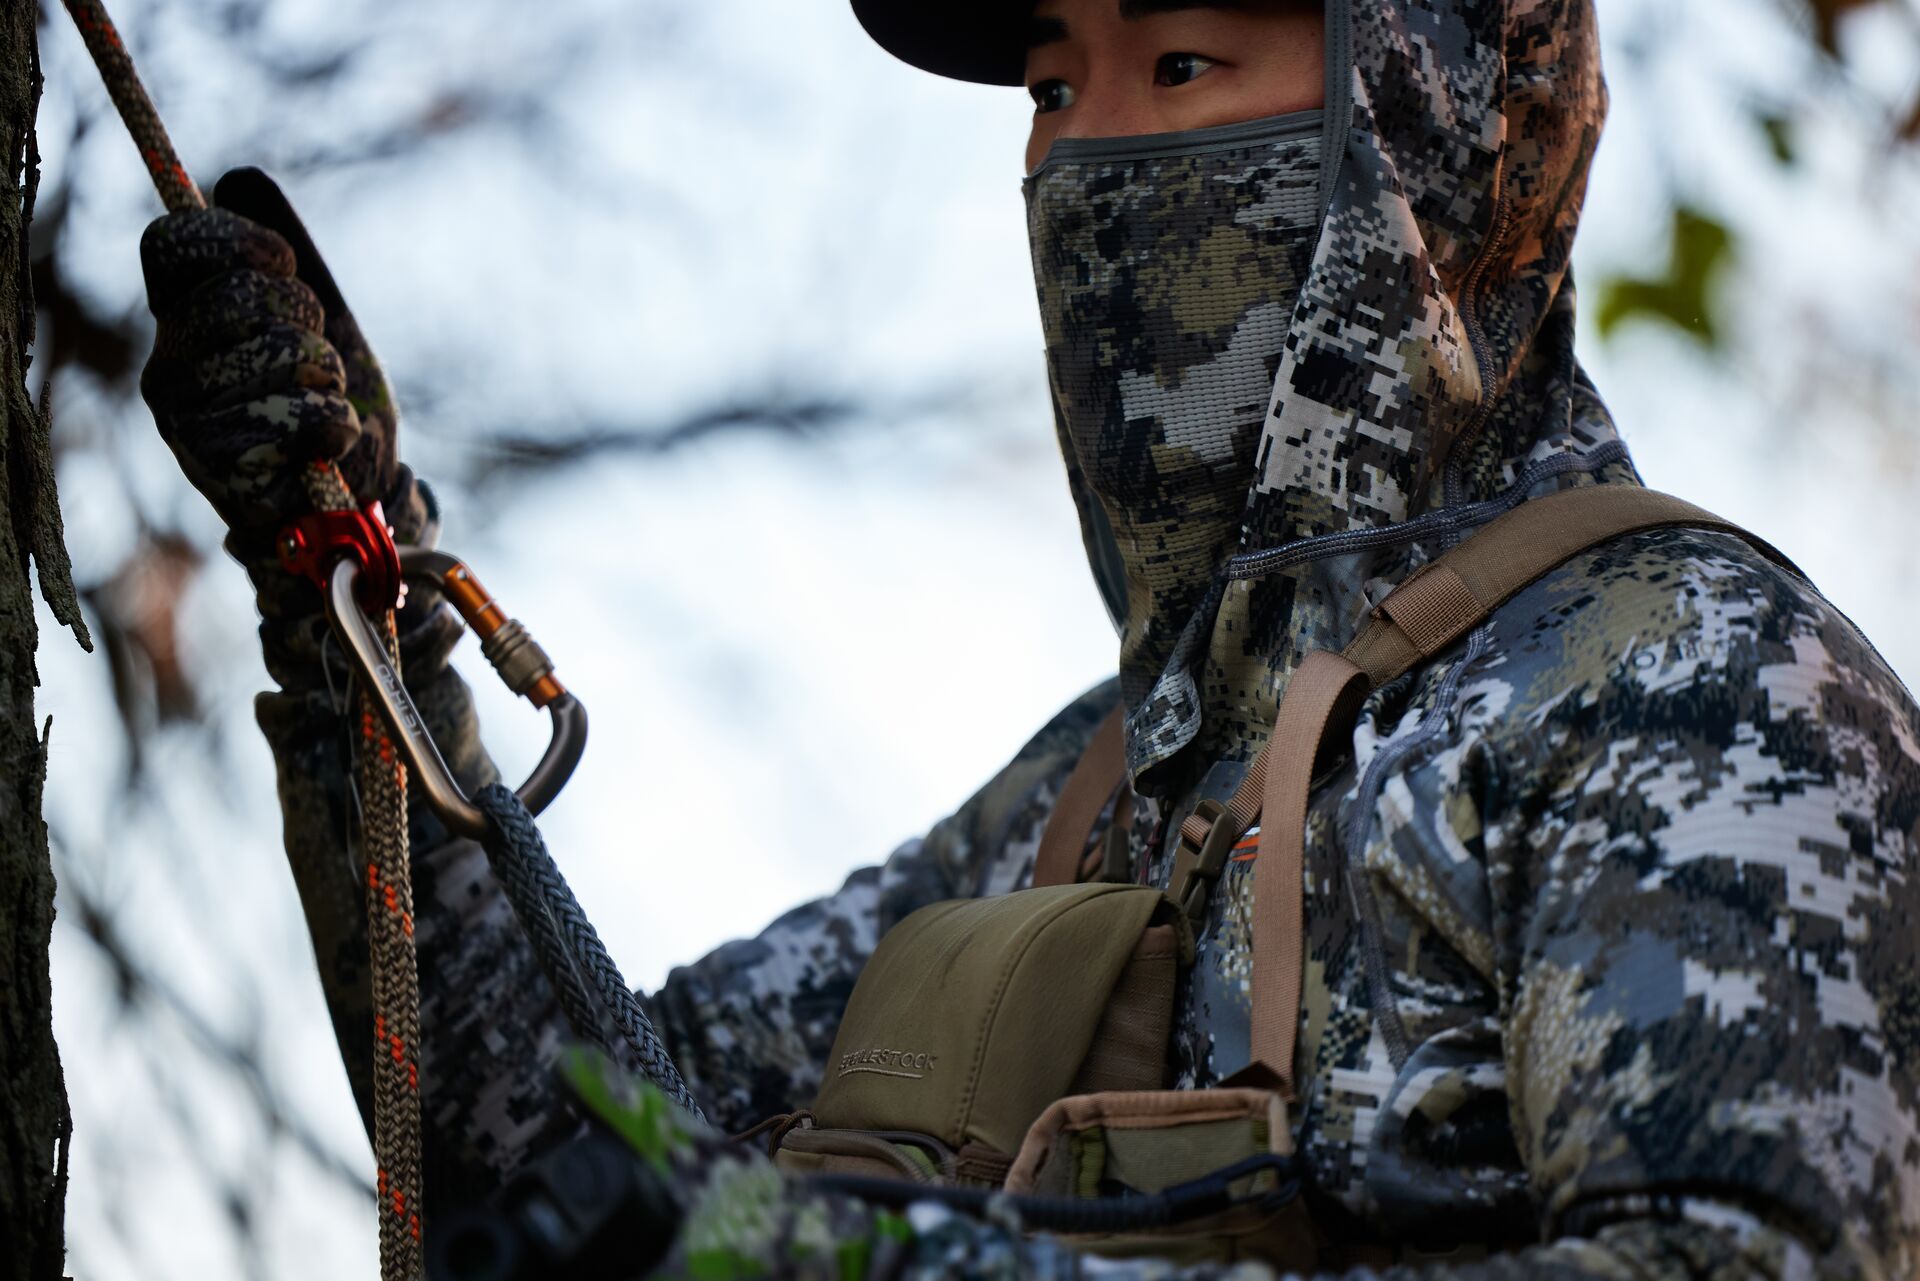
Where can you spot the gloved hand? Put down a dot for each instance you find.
(258, 371)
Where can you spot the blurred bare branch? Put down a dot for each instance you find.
(142, 992)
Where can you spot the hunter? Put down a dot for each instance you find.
(1609, 964)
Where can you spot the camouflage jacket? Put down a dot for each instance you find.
(1609, 935)
(1610, 947)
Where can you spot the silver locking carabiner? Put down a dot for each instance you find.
(353, 557)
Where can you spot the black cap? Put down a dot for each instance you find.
(984, 41)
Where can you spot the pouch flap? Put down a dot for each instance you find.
(973, 1015)
(1146, 1140)
(858, 1152)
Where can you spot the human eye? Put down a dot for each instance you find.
(1050, 96)
(1180, 68)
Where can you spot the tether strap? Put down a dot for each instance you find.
(569, 949)
(1420, 619)
(1083, 796)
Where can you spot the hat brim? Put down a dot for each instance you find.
(982, 41)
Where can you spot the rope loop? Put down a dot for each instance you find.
(576, 962)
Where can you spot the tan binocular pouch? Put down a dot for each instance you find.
(1021, 1041)
(974, 1015)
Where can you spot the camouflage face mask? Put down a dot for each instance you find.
(1168, 267)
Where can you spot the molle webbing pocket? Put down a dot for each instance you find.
(973, 1016)
(1139, 1143)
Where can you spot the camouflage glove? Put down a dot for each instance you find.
(717, 1209)
(706, 1208)
(258, 371)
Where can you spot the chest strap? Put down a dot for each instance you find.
(1423, 617)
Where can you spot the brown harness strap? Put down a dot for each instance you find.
(1325, 690)
(1447, 598)
(1421, 618)
(1083, 797)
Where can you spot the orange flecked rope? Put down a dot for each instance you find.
(382, 775)
(394, 975)
(130, 98)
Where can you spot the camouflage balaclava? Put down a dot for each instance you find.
(1168, 267)
(1426, 366)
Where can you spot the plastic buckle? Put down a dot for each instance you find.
(1210, 856)
(312, 545)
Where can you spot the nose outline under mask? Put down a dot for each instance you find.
(1126, 148)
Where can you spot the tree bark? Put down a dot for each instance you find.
(34, 1122)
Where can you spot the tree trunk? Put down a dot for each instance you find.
(34, 1123)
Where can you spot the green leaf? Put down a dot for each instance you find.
(1684, 297)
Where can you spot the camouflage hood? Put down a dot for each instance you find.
(1427, 368)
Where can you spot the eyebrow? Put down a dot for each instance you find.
(1045, 31)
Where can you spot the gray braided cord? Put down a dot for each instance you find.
(520, 859)
(527, 894)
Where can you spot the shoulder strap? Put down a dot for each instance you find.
(1420, 618)
(1454, 593)
(1094, 780)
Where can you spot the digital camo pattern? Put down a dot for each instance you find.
(1611, 925)
(1612, 942)
(1611, 920)
(1430, 354)
(1167, 283)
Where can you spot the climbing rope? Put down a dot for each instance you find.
(382, 774)
(394, 974)
(588, 984)
(136, 109)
